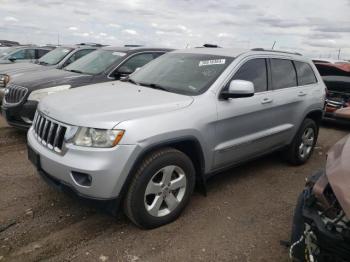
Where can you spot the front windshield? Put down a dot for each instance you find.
(55, 56)
(183, 73)
(96, 62)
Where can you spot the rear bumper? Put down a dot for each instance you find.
(19, 116)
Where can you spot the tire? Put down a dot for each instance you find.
(293, 152)
(153, 198)
(298, 228)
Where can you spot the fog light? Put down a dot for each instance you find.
(82, 179)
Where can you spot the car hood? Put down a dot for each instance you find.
(338, 172)
(52, 77)
(106, 105)
(15, 68)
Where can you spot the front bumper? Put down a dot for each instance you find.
(108, 168)
(20, 115)
(329, 116)
(331, 243)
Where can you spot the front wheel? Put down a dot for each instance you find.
(303, 144)
(161, 188)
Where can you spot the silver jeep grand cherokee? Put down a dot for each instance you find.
(185, 116)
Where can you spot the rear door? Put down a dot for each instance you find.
(289, 99)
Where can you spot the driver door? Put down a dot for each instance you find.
(245, 125)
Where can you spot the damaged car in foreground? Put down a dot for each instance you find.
(321, 225)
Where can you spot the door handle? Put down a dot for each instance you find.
(302, 93)
(266, 100)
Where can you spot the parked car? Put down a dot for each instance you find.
(321, 225)
(23, 92)
(183, 117)
(7, 43)
(336, 75)
(23, 54)
(58, 58)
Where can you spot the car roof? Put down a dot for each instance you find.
(130, 49)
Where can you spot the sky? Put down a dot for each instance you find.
(316, 28)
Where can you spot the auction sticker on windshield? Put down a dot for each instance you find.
(212, 62)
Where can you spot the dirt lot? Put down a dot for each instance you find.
(247, 212)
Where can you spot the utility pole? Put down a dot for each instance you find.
(273, 46)
(339, 53)
(58, 39)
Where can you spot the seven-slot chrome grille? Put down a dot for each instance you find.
(15, 94)
(50, 133)
(2, 81)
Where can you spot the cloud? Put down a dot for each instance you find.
(181, 23)
(225, 35)
(114, 25)
(11, 19)
(279, 22)
(130, 31)
(73, 28)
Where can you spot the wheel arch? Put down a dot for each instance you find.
(315, 115)
(188, 145)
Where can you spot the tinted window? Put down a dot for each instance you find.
(55, 56)
(254, 71)
(24, 54)
(305, 73)
(96, 62)
(42, 52)
(135, 62)
(283, 74)
(78, 55)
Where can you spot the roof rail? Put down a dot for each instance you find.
(133, 45)
(211, 46)
(276, 51)
(92, 44)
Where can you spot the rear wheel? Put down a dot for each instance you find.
(161, 188)
(303, 144)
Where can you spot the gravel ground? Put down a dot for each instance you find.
(247, 212)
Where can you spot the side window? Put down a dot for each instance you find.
(135, 62)
(78, 55)
(29, 54)
(305, 73)
(158, 54)
(283, 73)
(42, 52)
(19, 54)
(254, 71)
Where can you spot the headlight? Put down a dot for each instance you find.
(40, 94)
(92, 137)
(4, 79)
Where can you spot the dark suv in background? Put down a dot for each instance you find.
(24, 91)
(23, 53)
(58, 58)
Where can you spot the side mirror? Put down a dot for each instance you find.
(122, 72)
(238, 89)
(12, 59)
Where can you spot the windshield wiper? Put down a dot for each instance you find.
(154, 86)
(42, 63)
(75, 71)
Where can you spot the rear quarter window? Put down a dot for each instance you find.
(306, 75)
